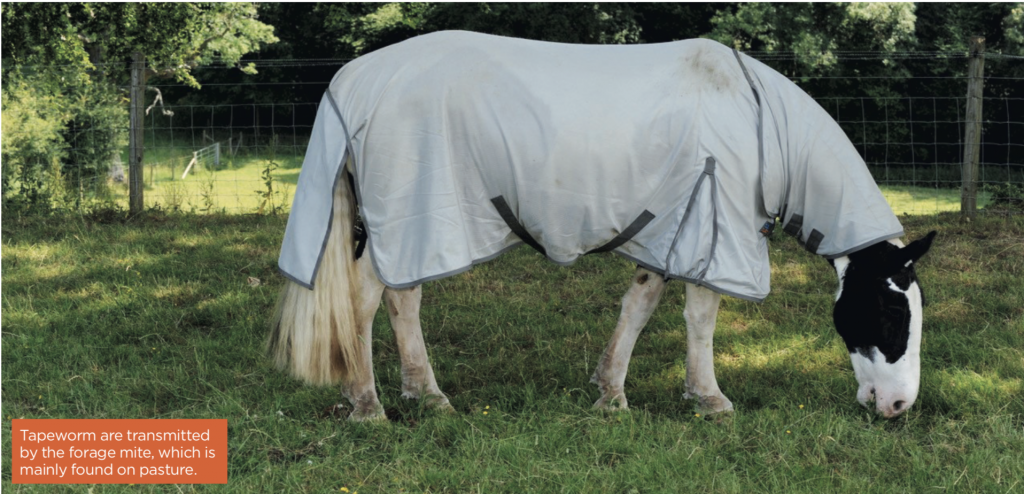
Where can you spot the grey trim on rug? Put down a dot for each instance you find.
(330, 215)
(452, 272)
(864, 245)
(692, 281)
(327, 236)
(760, 120)
(293, 279)
(709, 171)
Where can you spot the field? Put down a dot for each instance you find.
(163, 316)
(239, 184)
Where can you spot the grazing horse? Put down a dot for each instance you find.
(446, 150)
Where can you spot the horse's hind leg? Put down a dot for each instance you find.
(363, 392)
(417, 374)
(701, 314)
(637, 306)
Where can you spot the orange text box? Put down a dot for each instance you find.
(119, 451)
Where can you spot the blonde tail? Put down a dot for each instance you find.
(314, 333)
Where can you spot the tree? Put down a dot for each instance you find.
(72, 55)
(814, 33)
(361, 28)
(174, 37)
(864, 59)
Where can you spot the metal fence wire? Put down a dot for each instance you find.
(237, 144)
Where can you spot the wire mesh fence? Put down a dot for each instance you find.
(908, 125)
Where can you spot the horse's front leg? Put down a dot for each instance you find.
(362, 393)
(417, 374)
(701, 314)
(637, 306)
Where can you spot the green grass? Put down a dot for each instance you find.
(237, 185)
(156, 318)
(906, 199)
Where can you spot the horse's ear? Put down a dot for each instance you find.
(911, 253)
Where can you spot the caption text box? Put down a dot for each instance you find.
(119, 451)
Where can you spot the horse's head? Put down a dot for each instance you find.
(878, 313)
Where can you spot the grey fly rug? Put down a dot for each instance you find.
(678, 156)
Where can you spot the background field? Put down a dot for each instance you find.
(157, 318)
(239, 185)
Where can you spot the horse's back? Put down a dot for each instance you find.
(578, 140)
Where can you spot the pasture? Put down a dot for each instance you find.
(240, 184)
(163, 316)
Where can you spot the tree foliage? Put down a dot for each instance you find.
(816, 31)
(72, 55)
(174, 37)
(32, 146)
(361, 28)
(63, 62)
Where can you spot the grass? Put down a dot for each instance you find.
(906, 199)
(157, 318)
(238, 186)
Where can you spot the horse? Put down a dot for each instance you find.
(444, 151)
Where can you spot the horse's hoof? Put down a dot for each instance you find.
(434, 401)
(710, 405)
(439, 403)
(369, 415)
(616, 403)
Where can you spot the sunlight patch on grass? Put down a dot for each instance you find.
(952, 309)
(979, 387)
(38, 253)
(905, 199)
(237, 187)
(791, 272)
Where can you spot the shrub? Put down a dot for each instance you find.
(1005, 197)
(96, 131)
(33, 145)
(58, 139)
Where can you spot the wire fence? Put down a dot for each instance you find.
(908, 124)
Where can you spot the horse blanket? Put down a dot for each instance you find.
(678, 156)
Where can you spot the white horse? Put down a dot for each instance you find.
(323, 336)
(459, 146)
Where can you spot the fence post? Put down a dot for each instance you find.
(135, 136)
(972, 132)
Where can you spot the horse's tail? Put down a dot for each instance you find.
(314, 333)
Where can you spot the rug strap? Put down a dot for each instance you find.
(638, 224)
(709, 171)
(358, 228)
(510, 219)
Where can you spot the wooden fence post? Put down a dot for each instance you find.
(972, 132)
(135, 135)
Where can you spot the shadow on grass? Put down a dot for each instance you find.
(289, 177)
